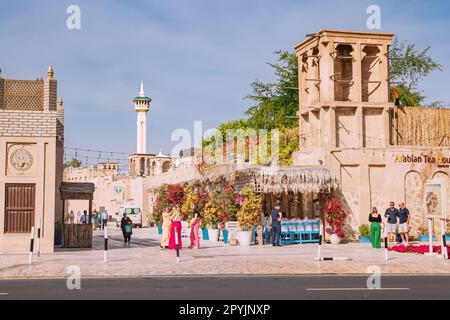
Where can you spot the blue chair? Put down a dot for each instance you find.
(311, 232)
(284, 236)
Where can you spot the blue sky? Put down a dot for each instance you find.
(196, 57)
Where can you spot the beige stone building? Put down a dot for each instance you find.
(31, 162)
(380, 152)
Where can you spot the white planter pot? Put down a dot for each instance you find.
(213, 235)
(245, 238)
(335, 239)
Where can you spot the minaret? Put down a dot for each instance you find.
(142, 107)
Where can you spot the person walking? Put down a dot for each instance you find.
(105, 218)
(94, 220)
(166, 229)
(99, 220)
(176, 224)
(127, 228)
(276, 218)
(375, 220)
(404, 219)
(195, 227)
(392, 220)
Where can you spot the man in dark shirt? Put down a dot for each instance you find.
(404, 218)
(392, 220)
(275, 218)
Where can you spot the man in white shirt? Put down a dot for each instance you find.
(104, 219)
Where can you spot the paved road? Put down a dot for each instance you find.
(233, 288)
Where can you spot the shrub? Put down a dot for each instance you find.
(161, 204)
(336, 217)
(422, 231)
(364, 231)
(250, 210)
(211, 212)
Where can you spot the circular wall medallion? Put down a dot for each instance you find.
(21, 159)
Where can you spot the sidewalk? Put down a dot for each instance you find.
(144, 259)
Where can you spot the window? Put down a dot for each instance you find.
(19, 207)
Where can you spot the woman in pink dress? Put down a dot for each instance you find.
(176, 223)
(195, 227)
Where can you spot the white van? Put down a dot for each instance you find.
(134, 213)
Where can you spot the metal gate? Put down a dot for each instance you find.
(19, 207)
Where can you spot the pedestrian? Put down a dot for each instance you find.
(71, 217)
(404, 219)
(166, 229)
(99, 220)
(392, 220)
(375, 220)
(176, 224)
(78, 217)
(266, 228)
(94, 220)
(84, 218)
(105, 218)
(276, 218)
(127, 228)
(195, 227)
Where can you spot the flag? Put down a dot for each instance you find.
(396, 97)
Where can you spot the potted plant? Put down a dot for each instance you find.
(364, 234)
(335, 236)
(447, 233)
(188, 207)
(205, 235)
(422, 231)
(228, 209)
(336, 218)
(211, 216)
(248, 214)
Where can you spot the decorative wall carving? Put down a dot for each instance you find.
(21, 159)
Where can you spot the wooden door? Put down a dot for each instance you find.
(20, 202)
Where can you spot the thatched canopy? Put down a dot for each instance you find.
(270, 179)
(292, 179)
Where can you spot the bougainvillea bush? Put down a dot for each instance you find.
(175, 195)
(250, 210)
(422, 249)
(228, 207)
(336, 218)
(162, 203)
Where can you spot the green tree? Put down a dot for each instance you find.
(408, 66)
(276, 104)
(74, 163)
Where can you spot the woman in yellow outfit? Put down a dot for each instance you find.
(167, 222)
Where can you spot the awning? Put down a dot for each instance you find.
(292, 179)
(77, 191)
(271, 179)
